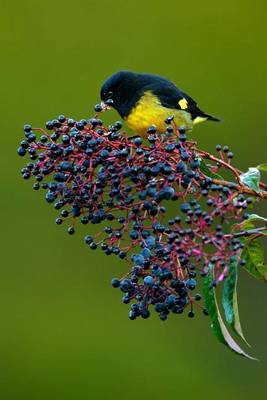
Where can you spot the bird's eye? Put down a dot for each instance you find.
(105, 96)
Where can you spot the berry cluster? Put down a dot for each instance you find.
(98, 175)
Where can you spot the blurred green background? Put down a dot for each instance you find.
(64, 332)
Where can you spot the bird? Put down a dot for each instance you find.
(144, 100)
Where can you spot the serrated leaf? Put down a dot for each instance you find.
(206, 171)
(229, 300)
(255, 217)
(249, 222)
(253, 254)
(251, 178)
(262, 167)
(244, 225)
(218, 325)
(210, 302)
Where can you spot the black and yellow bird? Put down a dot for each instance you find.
(143, 100)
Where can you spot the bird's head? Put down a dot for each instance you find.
(122, 90)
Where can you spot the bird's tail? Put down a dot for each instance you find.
(211, 117)
(201, 116)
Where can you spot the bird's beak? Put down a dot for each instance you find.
(105, 106)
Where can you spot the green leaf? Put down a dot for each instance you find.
(218, 325)
(244, 225)
(255, 217)
(229, 300)
(211, 305)
(206, 171)
(251, 178)
(253, 254)
(249, 222)
(262, 167)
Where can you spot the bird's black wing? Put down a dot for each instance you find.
(172, 97)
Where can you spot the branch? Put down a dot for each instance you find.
(208, 156)
(242, 189)
(249, 232)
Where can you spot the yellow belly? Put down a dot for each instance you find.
(149, 111)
